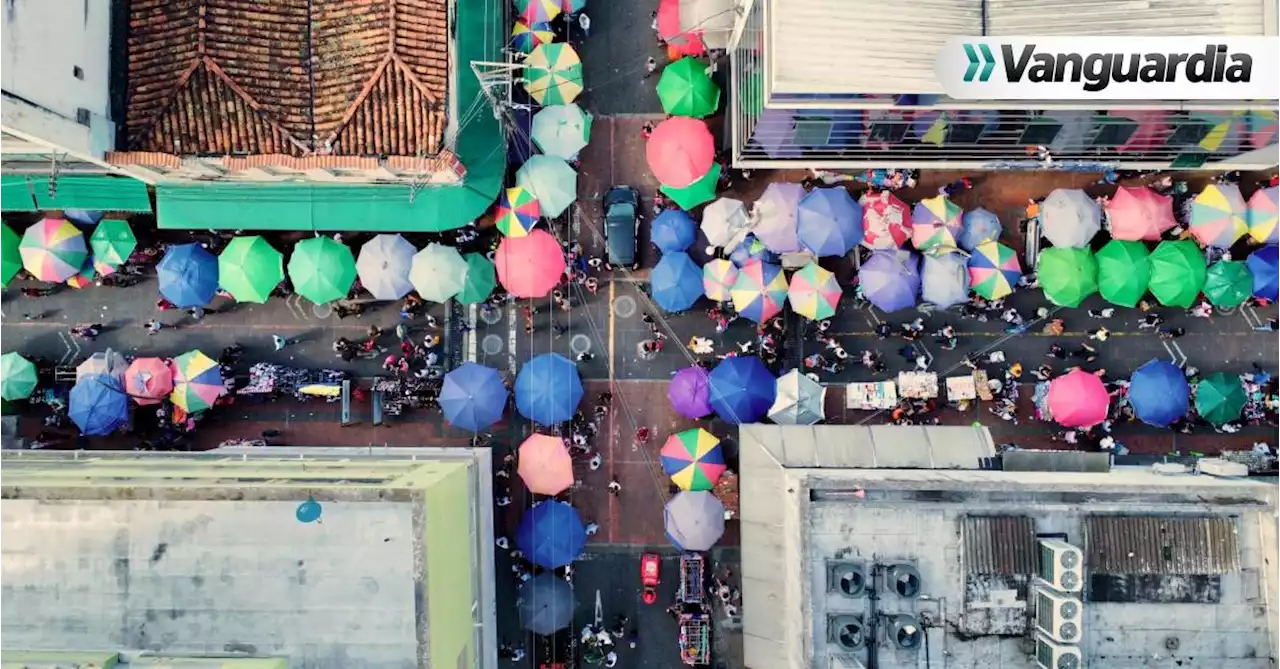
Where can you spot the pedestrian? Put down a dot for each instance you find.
(402, 332)
(922, 363)
(1057, 352)
(883, 330)
(1172, 333)
(153, 327)
(592, 528)
(1150, 321)
(196, 313)
(908, 352)
(1102, 314)
(1099, 334)
(374, 332)
(611, 659)
(279, 342)
(614, 487)
(584, 356)
(584, 22)
(650, 66)
(557, 328)
(502, 543)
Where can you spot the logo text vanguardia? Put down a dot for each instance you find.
(1098, 70)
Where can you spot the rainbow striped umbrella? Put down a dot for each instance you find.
(718, 277)
(525, 38)
(994, 270)
(553, 73)
(533, 12)
(518, 212)
(83, 278)
(1264, 227)
(1217, 216)
(935, 221)
(760, 291)
(53, 250)
(197, 382)
(693, 459)
(814, 292)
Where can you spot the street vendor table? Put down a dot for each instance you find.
(918, 385)
(961, 388)
(871, 396)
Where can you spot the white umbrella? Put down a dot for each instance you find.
(725, 222)
(1069, 217)
(438, 272)
(800, 400)
(713, 19)
(944, 279)
(694, 520)
(103, 362)
(383, 266)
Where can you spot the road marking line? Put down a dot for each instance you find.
(511, 337)
(613, 319)
(471, 333)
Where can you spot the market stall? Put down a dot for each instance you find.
(871, 396)
(918, 385)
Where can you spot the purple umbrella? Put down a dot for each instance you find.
(777, 209)
(689, 392)
(891, 280)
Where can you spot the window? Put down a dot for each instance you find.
(1115, 132)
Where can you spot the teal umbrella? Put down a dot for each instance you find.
(561, 130)
(552, 181)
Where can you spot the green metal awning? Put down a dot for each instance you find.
(92, 192)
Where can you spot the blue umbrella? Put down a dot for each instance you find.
(1159, 394)
(473, 397)
(890, 280)
(1265, 266)
(188, 275)
(676, 282)
(829, 222)
(546, 604)
(751, 249)
(551, 534)
(673, 230)
(548, 389)
(976, 227)
(99, 405)
(741, 390)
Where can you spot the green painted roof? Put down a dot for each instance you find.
(94, 192)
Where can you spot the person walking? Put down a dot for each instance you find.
(1102, 314)
(1172, 333)
(584, 22)
(614, 487)
(279, 342)
(650, 66)
(153, 327)
(1099, 334)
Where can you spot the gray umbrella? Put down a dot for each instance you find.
(800, 400)
(944, 279)
(1069, 217)
(546, 604)
(694, 520)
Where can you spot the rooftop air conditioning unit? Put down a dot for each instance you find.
(1061, 565)
(1053, 655)
(846, 632)
(903, 580)
(904, 631)
(1059, 616)
(847, 577)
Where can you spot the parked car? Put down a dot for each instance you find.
(621, 222)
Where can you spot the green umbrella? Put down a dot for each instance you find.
(322, 270)
(1123, 272)
(1067, 274)
(438, 272)
(1228, 283)
(112, 242)
(17, 377)
(9, 241)
(686, 90)
(1177, 273)
(480, 281)
(250, 268)
(698, 192)
(1219, 398)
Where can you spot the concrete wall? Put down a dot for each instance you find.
(451, 571)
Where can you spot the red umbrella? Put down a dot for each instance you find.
(530, 266)
(681, 151)
(886, 221)
(1078, 399)
(545, 465)
(1151, 133)
(1138, 213)
(148, 380)
(679, 42)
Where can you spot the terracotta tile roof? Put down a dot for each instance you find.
(292, 77)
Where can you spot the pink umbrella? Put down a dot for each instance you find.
(886, 221)
(530, 266)
(148, 380)
(545, 465)
(680, 151)
(1078, 399)
(1139, 213)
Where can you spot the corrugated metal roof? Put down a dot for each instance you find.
(998, 544)
(877, 446)
(1153, 18)
(1161, 545)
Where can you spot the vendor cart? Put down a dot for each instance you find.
(692, 567)
(695, 638)
(650, 570)
(872, 396)
(961, 388)
(918, 385)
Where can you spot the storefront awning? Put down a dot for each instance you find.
(92, 192)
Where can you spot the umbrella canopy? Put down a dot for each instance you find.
(552, 181)
(1067, 275)
(725, 222)
(694, 520)
(250, 268)
(829, 222)
(12, 262)
(53, 250)
(1159, 394)
(1070, 218)
(148, 380)
(106, 362)
(525, 37)
(322, 269)
(1218, 216)
(1228, 283)
(383, 266)
(978, 227)
(711, 21)
(1264, 265)
(741, 390)
(98, 405)
(480, 281)
(696, 193)
(718, 278)
(546, 604)
(533, 12)
(693, 459)
(1078, 399)
(551, 534)
(1263, 216)
(800, 400)
(680, 151)
(994, 270)
(891, 280)
(561, 130)
(530, 266)
(438, 272)
(112, 242)
(685, 89)
(189, 275)
(886, 221)
(1124, 270)
(548, 389)
(197, 382)
(518, 211)
(17, 377)
(776, 209)
(944, 278)
(553, 73)
(690, 392)
(545, 465)
(679, 41)
(676, 282)
(1139, 213)
(1220, 398)
(760, 291)
(1177, 273)
(935, 221)
(473, 397)
(84, 278)
(814, 292)
(751, 249)
(673, 230)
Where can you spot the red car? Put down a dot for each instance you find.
(650, 567)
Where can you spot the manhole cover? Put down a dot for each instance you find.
(491, 344)
(491, 316)
(624, 306)
(322, 310)
(580, 343)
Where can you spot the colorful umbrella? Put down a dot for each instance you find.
(1220, 398)
(1264, 216)
(800, 400)
(760, 291)
(545, 465)
(690, 392)
(530, 266)
(680, 151)
(83, 278)
(322, 269)
(886, 221)
(935, 221)
(112, 242)
(890, 280)
(751, 249)
(994, 270)
(944, 278)
(572, 6)
(725, 222)
(534, 12)
(148, 380)
(480, 281)
(1158, 393)
(694, 520)
(1068, 275)
(546, 603)
(525, 38)
(438, 272)
(1078, 399)
(676, 282)
(1228, 283)
(1177, 273)
(814, 292)
(700, 191)
(1070, 218)
(551, 534)
(18, 378)
(518, 212)
(829, 222)
(250, 268)
(1218, 216)
(473, 397)
(12, 263)
(561, 130)
(552, 181)
(98, 405)
(693, 459)
(678, 40)
(106, 362)
(673, 230)
(741, 390)
(776, 209)
(197, 382)
(1264, 265)
(188, 275)
(685, 89)
(1139, 213)
(383, 266)
(978, 227)
(1124, 270)
(53, 250)
(718, 278)
(548, 389)
(553, 73)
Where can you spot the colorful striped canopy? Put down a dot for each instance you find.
(250, 268)
(197, 382)
(553, 72)
(814, 292)
(693, 459)
(760, 291)
(148, 380)
(518, 212)
(1218, 216)
(533, 12)
(935, 221)
(994, 270)
(1262, 212)
(525, 38)
(53, 250)
(718, 277)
